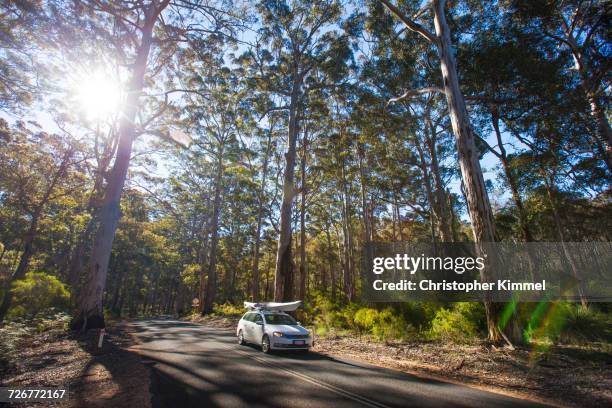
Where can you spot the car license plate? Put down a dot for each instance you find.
(299, 342)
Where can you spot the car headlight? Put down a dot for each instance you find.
(278, 334)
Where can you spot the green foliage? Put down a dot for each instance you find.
(227, 309)
(37, 293)
(191, 275)
(568, 323)
(365, 318)
(459, 323)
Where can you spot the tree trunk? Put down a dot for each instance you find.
(303, 266)
(477, 197)
(348, 281)
(22, 268)
(516, 197)
(331, 262)
(435, 217)
(453, 217)
(204, 265)
(260, 212)
(283, 276)
(364, 197)
(90, 314)
(604, 132)
(211, 284)
(549, 184)
(440, 194)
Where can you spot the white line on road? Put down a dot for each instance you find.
(355, 397)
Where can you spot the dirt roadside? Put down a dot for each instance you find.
(110, 377)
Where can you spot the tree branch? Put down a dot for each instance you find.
(415, 92)
(410, 24)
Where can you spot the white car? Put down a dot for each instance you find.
(272, 330)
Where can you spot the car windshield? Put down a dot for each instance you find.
(280, 319)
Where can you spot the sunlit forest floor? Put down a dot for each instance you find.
(54, 357)
(559, 375)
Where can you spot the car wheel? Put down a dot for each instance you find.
(241, 338)
(265, 344)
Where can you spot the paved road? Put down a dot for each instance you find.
(194, 365)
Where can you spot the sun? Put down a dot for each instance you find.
(98, 96)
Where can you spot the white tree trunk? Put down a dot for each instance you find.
(90, 314)
(479, 207)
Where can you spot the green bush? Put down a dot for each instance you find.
(365, 319)
(586, 324)
(227, 309)
(568, 323)
(390, 325)
(37, 293)
(384, 324)
(455, 324)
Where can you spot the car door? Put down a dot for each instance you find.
(247, 328)
(258, 328)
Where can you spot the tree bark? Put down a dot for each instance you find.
(283, 276)
(211, 283)
(516, 196)
(434, 209)
(260, 213)
(90, 314)
(204, 264)
(549, 184)
(364, 197)
(348, 279)
(440, 196)
(477, 198)
(303, 266)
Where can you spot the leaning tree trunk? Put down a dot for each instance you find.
(90, 314)
(283, 276)
(477, 199)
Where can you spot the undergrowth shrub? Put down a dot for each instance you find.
(227, 309)
(37, 293)
(460, 322)
(568, 323)
(384, 324)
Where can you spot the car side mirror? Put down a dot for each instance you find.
(299, 324)
(259, 323)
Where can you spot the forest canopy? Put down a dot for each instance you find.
(156, 152)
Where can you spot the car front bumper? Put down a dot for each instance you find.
(282, 343)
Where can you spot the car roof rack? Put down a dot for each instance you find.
(273, 306)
